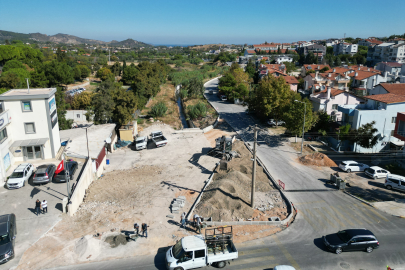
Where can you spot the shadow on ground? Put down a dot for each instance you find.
(377, 194)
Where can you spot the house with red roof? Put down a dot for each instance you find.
(385, 88)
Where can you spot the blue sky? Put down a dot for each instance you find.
(202, 22)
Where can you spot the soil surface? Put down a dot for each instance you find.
(317, 159)
(227, 198)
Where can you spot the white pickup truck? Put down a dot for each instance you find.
(194, 252)
(158, 138)
(141, 143)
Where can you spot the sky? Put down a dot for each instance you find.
(204, 22)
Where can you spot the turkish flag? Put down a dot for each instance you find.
(60, 168)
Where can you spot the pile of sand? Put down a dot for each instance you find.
(116, 240)
(317, 159)
(227, 198)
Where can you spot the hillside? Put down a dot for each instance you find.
(66, 39)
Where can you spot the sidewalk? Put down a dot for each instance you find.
(395, 208)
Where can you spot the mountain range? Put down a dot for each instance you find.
(66, 39)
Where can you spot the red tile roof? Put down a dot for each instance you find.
(251, 51)
(392, 64)
(291, 80)
(361, 75)
(387, 98)
(374, 41)
(333, 92)
(363, 68)
(394, 88)
(315, 67)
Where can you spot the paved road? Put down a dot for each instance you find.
(321, 210)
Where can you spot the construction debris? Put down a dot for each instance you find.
(177, 203)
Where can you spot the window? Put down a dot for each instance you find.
(29, 128)
(78, 115)
(26, 106)
(393, 180)
(392, 132)
(334, 106)
(3, 135)
(393, 120)
(199, 253)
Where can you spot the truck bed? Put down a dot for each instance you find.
(228, 253)
(159, 139)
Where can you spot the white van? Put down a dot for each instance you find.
(394, 181)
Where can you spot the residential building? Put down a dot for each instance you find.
(284, 58)
(385, 88)
(330, 98)
(380, 53)
(292, 82)
(345, 48)
(318, 50)
(369, 42)
(249, 53)
(364, 81)
(267, 46)
(29, 127)
(399, 131)
(306, 68)
(382, 109)
(320, 81)
(397, 53)
(391, 67)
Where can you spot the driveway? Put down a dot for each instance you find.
(21, 202)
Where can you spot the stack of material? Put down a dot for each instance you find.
(178, 203)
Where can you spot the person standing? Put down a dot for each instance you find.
(136, 229)
(44, 205)
(145, 229)
(183, 220)
(38, 207)
(195, 219)
(198, 224)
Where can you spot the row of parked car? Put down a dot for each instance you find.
(41, 175)
(75, 91)
(392, 181)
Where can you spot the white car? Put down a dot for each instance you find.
(283, 267)
(20, 176)
(273, 123)
(394, 181)
(376, 172)
(352, 166)
(223, 98)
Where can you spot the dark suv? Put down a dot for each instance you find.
(72, 167)
(8, 232)
(351, 240)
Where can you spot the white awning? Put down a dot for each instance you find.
(32, 142)
(398, 143)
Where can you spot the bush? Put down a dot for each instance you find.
(198, 110)
(158, 110)
(140, 121)
(183, 94)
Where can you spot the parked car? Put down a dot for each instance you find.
(158, 138)
(44, 174)
(376, 172)
(82, 89)
(141, 143)
(8, 233)
(283, 267)
(394, 181)
(352, 166)
(20, 175)
(273, 122)
(223, 98)
(351, 240)
(72, 167)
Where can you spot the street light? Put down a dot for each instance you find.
(303, 125)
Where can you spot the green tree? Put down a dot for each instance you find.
(323, 122)
(58, 73)
(338, 62)
(365, 136)
(103, 103)
(116, 69)
(82, 101)
(13, 64)
(84, 71)
(125, 105)
(158, 110)
(195, 87)
(38, 79)
(250, 68)
(227, 83)
(294, 115)
(10, 81)
(129, 75)
(61, 107)
(61, 55)
(104, 74)
(197, 111)
(77, 75)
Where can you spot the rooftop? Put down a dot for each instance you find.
(290, 79)
(97, 135)
(387, 98)
(34, 93)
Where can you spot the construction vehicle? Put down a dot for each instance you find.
(216, 249)
(223, 150)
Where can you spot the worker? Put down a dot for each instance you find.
(136, 229)
(198, 225)
(195, 219)
(183, 220)
(145, 229)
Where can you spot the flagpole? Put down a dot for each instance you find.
(66, 178)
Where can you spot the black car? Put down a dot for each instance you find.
(72, 167)
(44, 174)
(8, 232)
(351, 240)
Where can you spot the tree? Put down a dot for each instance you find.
(116, 69)
(227, 83)
(124, 66)
(338, 62)
(10, 81)
(77, 75)
(310, 58)
(13, 64)
(102, 103)
(104, 74)
(84, 71)
(61, 107)
(294, 115)
(82, 101)
(278, 50)
(250, 68)
(323, 122)
(125, 105)
(195, 87)
(58, 73)
(365, 135)
(329, 50)
(38, 79)
(158, 110)
(324, 69)
(61, 55)
(270, 98)
(129, 75)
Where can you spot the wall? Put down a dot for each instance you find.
(86, 178)
(55, 129)
(377, 90)
(342, 99)
(72, 114)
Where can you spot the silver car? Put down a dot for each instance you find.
(376, 172)
(44, 174)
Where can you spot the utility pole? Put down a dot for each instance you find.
(254, 168)
(28, 85)
(303, 125)
(65, 168)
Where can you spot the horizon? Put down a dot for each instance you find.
(211, 22)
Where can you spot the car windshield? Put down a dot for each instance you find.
(343, 163)
(140, 140)
(4, 239)
(178, 250)
(39, 174)
(17, 175)
(370, 170)
(344, 236)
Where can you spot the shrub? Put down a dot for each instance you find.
(183, 94)
(158, 110)
(198, 110)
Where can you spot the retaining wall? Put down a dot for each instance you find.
(86, 178)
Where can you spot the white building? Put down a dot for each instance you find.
(29, 127)
(345, 48)
(397, 53)
(283, 58)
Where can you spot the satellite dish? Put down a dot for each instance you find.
(108, 140)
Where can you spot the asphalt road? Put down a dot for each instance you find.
(321, 210)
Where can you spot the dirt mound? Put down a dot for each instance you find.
(317, 159)
(116, 240)
(227, 198)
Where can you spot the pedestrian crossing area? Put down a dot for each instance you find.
(325, 217)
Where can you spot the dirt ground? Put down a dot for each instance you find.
(227, 198)
(222, 129)
(140, 189)
(317, 159)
